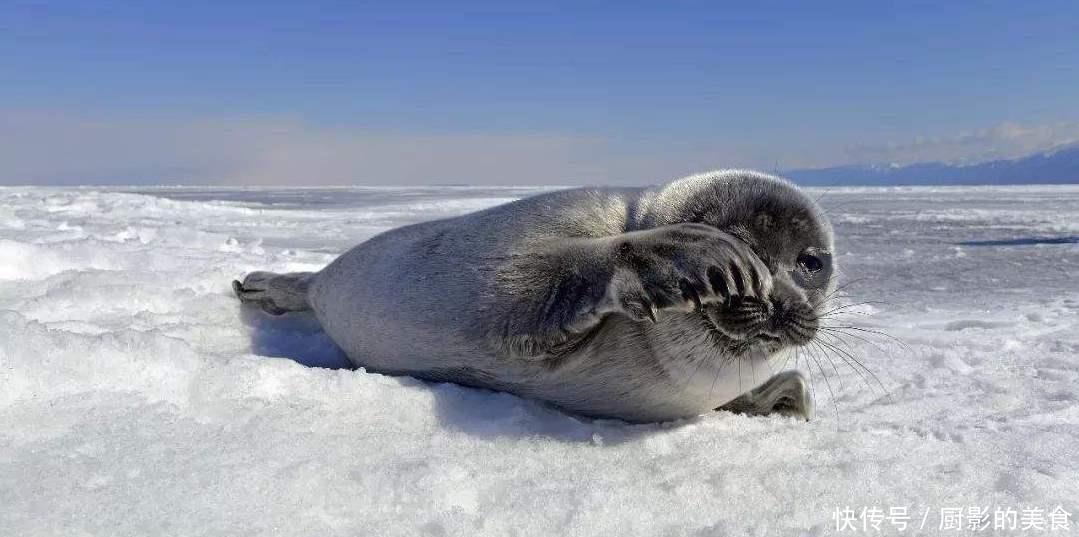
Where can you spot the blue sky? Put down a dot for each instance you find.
(620, 92)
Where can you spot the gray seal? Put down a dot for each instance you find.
(642, 304)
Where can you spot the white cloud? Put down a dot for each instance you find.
(1004, 141)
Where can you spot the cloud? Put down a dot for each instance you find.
(1004, 141)
(57, 148)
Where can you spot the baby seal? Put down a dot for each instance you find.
(642, 304)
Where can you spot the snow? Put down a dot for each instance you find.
(138, 398)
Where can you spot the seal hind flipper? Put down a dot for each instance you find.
(275, 293)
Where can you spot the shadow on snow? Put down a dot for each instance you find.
(475, 411)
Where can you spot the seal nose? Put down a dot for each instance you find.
(796, 321)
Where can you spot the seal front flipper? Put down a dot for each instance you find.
(681, 267)
(275, 293)
(554, 295)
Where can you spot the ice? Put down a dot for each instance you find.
(138, 398)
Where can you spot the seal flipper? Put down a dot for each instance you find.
(786, 393)
(275, 293)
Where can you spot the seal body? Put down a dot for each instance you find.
(645, 304)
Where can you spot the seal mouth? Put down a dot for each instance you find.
(772, 325)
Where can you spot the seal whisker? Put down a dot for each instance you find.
(802, 332)
(828, 384)
(753, 370)
(839, 314)
(700, 361)
(787, 357)
(838, 377)
(842, 357)
(866, 369)
(847, 361)
(839, 337)
(855, 336)
(878, 332)
(740, 390)
(847, 285)
(854, 305)
(812, 377)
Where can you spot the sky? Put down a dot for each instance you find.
(396, 93)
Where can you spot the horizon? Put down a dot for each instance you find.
(424, 94)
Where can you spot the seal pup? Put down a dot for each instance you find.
(642, 304)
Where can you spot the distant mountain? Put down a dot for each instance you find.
(1058, 166)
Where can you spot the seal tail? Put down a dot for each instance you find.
(275, 293)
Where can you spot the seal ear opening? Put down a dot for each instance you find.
(765, 221)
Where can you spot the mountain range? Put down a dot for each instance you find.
(1059, 165)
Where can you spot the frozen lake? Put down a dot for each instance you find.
(136, 398)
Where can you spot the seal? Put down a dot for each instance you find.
(641, 304)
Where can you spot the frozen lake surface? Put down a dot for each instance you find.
(137, 398)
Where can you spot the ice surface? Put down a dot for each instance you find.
(137, 398)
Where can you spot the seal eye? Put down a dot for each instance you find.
(810, 263)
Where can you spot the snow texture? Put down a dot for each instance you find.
(138, 398)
